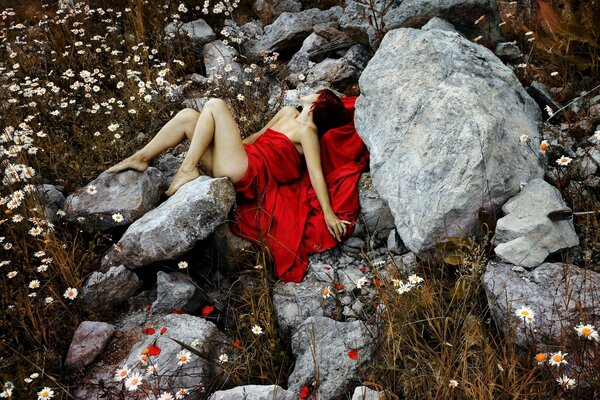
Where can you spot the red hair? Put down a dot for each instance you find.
(329, 111)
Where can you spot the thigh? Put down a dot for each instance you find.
(228, 153)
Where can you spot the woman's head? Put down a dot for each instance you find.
(327, 109)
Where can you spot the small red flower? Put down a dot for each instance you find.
(148, 331)
(163, 330)
(148, 308)
(327, 267)
(363, 269)
(339, 286)
(237, 344)
(177, 312)
(377, 282)
(353, 354)
(304, 392)
(207, 310)
(153, 350)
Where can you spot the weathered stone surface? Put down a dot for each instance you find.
(332, 70)
(542, 96)
(438, 153)
(52, 200)
(267, 11)
(168, 164)
(231, 250)
(176, 291)
(130, 193)
(89, 340)
(295, 302)
(290, 29)
(525, 235)
(332, 341)
(439, 23)
(211, 53)
(105, 290)
(175, 226)
(254, 392)
(508, 51)
(364, 393)
(460, 13)
(375, 218)
(197, 30)
(560, 295)
(359, 56)
(194, 376)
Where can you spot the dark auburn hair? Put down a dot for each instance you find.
(328, 111)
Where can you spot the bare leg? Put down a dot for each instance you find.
(217, 132)
(170, 135)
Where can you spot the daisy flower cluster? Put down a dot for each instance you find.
(526, 314)
(412, 282)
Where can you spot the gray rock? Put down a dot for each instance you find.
(50, 199)
(290, 29)
(331, 340)
(168, 164)
(589, 163)
(542, 96)
(103, 291)
(89, 340)
(375, 218)
(211, 52)
(175, 226)
(439, 153)
(364, 393)
(231, 250)
(460, 13)
(295, 302)
(359, 56)
(438, 23)
(394, 243)
(130, 193)
(354, 22)
(526, 236)
(177, 291)
(560, 295)
(197, 30)
(332, 70)
(508, 51)
(254, 392)
(269, 10)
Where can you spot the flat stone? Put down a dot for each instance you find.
(89, 340)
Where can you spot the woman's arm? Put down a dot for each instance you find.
(281, 113)
(312, 154)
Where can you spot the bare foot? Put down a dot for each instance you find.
(181, 178)
(128, 163)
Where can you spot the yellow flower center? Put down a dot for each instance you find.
(123, 373)
(45, 393)
(586, 331)
(134, 381)
(557, 358)
(183, 358)
(525, 312)
(540, 357)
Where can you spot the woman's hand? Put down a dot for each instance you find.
(336, 226)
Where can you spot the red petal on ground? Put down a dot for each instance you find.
(153, 350)
(207, 310)
(148, 308)
(353, 354)
(177, 312)
(163, 330)
(236, 344)
(363, 269)
(304, 392)
(148, 331)
(327, 267)
(377, 282)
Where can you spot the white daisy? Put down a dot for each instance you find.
(587, 331)
(566, 382)
(122, 373)
(223, 358)
(45, 393)
(257, 330)
(118, 217)
(133, 381)
(557, 358)
(184, 357)
(182, 264)
(70, 293)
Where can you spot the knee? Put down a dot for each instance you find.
(188, 114)
(215, 102)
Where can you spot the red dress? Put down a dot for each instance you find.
(277, 205)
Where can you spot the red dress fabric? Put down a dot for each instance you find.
(276, 204)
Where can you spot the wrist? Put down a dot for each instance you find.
(329, 213)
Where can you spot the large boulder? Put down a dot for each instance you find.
(526, 235)
(254, 392)
(175, 226)
(89, 340)
(103, 291)
(560, 295)
(50, 199)
(439, 152)
(290, 29)
(177, 291)
(129, 193)
(329, 359)
(197, 30)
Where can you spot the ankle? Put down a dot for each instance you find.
(140, 158)
(186, 168)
